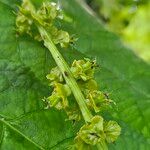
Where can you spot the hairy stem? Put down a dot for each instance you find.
(64, 68)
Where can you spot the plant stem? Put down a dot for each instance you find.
(102, 146)
(65, 70)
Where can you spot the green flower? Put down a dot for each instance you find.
(87, 86)
(97, 100)
(48, 12)
(92, 133)
(55, 76)
(112, 131)
(28, 18)
(97, 131)
(83, 69)
(59, 96)
(61, 37)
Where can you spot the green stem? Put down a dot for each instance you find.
(102, 146)
(64, 68)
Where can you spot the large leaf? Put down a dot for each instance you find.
(24, 63)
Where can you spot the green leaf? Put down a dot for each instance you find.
(24, 64)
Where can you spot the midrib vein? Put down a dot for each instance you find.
(16, 130)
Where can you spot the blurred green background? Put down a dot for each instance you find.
(130, 19)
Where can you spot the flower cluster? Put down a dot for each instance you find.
(61, 94)
(74, 88)
(83, 72)
(48, 16)
(97, 130)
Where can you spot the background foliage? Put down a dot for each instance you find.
(24, 63)
(129, 19)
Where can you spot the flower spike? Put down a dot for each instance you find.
(74, 88)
